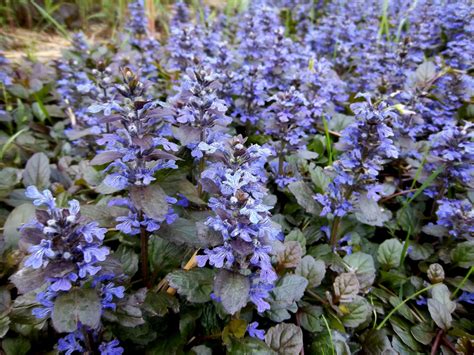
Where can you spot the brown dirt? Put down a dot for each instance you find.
(16, 43)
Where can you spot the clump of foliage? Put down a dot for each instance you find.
(294, 177)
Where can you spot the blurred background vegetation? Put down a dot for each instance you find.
(41, 28)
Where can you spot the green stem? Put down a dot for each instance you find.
(328, 140)
(202, 165)
(330, 334)
(385, 320)
(281, 159)
(464, 280)
(335, 226)
(144, 254)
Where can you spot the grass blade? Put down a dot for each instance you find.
(10, 141)
(61, 29)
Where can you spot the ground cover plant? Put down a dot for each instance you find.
(285, 177)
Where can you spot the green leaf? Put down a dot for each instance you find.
(410, 218)
(235, 329)
(158, 304)
(285, 339)
(78, 305)
(389, 253)
(369, 212)
(182, 231)
(201, 350)
(128, 313)
(165, 256)
(403, 309)
(425, 72)
(423, 333)
(28, 279)
(346, 287)
(150, 199)
(180, 184)
(355, 312)
(435, 230)
(196, 284)
(310, 318)
(249, 346)
(376, 342)
(441, 293)
(420, 251)
(4, 325)
(319, 177)
(312, 270)
(37, 171)
(339, 121)
(128, 259)
(16, 346)
(5, 300)
(403, 332)
(38, 111)
(363, 266)
(304, 197)
(440, 314)
(9, 177)
(187, 322)
(233, 289)
(290, 288)
(104, 215)
(298, 236)
(463, 254)
(20, 215)
(290, 255)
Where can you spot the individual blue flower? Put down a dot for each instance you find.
(62, 283)
(467, 297)
(93, 253)
(38, 253)
(91, 230)
(71, 343)
(111, 348)
(44, 198)
(254, 332)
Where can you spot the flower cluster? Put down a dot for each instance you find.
(68, 250)
(367, 144)
(135, 150)
(288, 121)
(185, 46)
(457, 216)
(236, 185)
(75, 87)
(147, 47)
(198, 112)
(5, 70)
(453, 149)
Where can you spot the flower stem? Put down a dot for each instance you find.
(202, 165)
(334, 228)
(144, 253)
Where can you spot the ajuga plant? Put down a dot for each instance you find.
(75, 87)
(148, 48)
(288, 120)
(198, 115)
(134, 152)
(64, 259)
(367, 145)
(236, 185)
